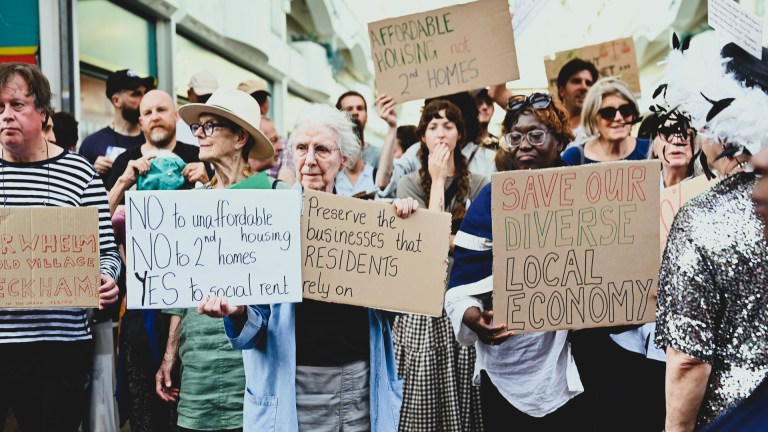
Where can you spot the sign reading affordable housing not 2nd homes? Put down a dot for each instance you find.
(444, 51)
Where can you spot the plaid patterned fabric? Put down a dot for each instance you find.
(438, 394)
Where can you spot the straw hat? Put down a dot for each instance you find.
(238, 107)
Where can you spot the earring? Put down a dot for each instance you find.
(235, 157)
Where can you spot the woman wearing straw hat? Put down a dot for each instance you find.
(226, 127)
(317, 366)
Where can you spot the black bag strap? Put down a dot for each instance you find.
(451, 192)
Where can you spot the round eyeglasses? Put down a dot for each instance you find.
(535, 137)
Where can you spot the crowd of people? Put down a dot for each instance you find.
(320, 366)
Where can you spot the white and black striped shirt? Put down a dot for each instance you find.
(67, 180)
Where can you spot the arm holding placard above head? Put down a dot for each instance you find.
(500, 94)
(385, 105)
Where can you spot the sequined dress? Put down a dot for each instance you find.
(713, 292)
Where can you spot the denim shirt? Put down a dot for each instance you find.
(268, 341)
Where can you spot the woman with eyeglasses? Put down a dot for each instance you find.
(316, 366)
(603, 355)
(438, 391)
(526, 381)
(227, 127)
(608, 114)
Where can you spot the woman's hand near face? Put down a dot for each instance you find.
(479, 322)
(405, 207)
(438, 163)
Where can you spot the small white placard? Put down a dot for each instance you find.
(184, 245)
(741, 26)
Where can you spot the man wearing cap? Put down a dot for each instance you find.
(124, 90)
(257, 88)
(199, 89)
(355, 105)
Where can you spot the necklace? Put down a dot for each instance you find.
(5, 166)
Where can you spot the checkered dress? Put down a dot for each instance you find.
(438, 394)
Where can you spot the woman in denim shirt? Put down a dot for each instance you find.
(316, 366)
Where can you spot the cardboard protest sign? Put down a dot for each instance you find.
(360, 253)
(444, 51)
(50, 257)
(672, 198)
(614, 58)
(738, 24)
(576, 247)
(184, 245)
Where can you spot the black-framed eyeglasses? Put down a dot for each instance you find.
(535, 137)
(208, 127)
(320, 151)
(536, 101)
(609, 113)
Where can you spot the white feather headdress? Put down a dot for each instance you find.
(699, 73)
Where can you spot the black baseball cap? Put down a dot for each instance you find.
(127, 79)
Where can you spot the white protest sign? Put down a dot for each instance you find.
(184, 245)
(741, 26)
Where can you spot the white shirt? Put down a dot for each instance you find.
(484, 162)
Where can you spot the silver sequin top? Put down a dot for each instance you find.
(713, 301)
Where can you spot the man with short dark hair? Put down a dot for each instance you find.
(124, 90)
(354, 103)
(485, 110)
(573, 82)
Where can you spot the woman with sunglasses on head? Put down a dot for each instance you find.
(526, 381)
(609, 112)
(438, 392)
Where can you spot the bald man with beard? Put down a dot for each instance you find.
(157, 117)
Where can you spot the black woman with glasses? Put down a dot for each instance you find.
(528, 381)
(609, 112)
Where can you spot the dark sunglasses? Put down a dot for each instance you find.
(609, 113)
(536, 101)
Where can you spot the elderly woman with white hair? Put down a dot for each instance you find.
(316, 366)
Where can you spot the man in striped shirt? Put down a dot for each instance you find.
(45, 354)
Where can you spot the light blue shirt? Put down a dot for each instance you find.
(365, 183)
(268, 341)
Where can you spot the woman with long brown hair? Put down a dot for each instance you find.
(438, 393)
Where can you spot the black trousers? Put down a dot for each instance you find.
(44, 383)
(499, 415)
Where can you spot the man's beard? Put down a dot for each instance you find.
(130, 115)
(161, 138)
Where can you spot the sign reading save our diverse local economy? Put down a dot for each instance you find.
(576, 247)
